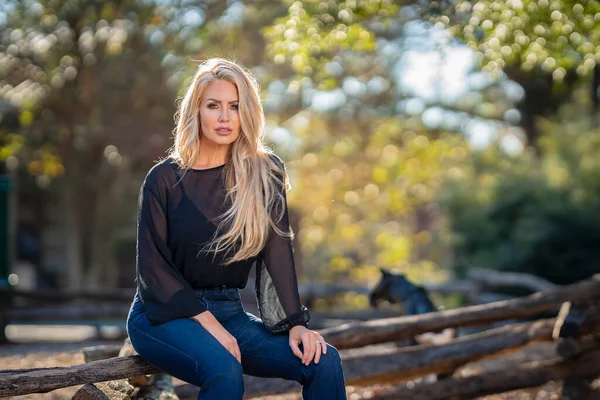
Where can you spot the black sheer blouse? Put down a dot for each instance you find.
(177, 216)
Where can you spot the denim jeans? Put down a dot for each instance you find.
(184, 349)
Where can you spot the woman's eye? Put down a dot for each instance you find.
(212, 105)
(234, 106)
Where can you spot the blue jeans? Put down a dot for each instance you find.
(184, 349)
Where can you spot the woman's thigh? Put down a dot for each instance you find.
(181, 348)
(269, 355)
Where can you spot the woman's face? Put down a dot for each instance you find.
(219, 117)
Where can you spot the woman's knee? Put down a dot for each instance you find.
(225, 376)
(204, 363)
(330, 363)
(228, 367)
(332, 359)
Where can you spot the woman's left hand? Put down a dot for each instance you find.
(313, 344)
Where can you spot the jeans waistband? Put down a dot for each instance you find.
(218, 292)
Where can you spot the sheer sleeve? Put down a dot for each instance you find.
(165, 293)
(277, 277)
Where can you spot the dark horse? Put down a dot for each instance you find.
(395, 288)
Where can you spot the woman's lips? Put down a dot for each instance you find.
(223, 131)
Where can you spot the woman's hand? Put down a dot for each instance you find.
(214, 327)
(300, 334)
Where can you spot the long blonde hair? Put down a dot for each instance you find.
(255, 180)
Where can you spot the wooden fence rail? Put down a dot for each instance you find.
(526, 375)
(357, 334)
(367, 366)
(363, 369)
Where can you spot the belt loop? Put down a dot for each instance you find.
(204, 300)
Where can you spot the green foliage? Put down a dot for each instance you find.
(367, 193)
(82, 73)
(93, 84)
(88, 92)
(549, 36)
(547, 46)
(526, 214)
(313, 32)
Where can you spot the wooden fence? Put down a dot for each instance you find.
(367, 367)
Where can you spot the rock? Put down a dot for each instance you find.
(95, 353)
(120, 386)
(127, 349)
(161, 389)
(103, 391)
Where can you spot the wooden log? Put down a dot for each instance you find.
(91, 391)
(568, 347)
(68, 312)
(357, 315)
(53, 378)
(577, 387)
(119, 311)
(306, 291)
(524, 376)
(318, 291)
(42, 380)
(114, 390)
(451, 287)
(363, 369)
(357, 334)
(486, 276)
(164, 381)
(416, 361)
(68, 295)
(103, 352)
(494, 278)
(152, 387)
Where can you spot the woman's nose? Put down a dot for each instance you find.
(224, 115)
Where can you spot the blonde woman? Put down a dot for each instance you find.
(206, 214)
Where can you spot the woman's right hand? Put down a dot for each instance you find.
(210, 323)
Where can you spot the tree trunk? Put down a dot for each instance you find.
(114, 182)
(595, 96)
(73, 236)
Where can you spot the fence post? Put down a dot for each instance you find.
(5, 247)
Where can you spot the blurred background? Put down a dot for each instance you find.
(428, 137)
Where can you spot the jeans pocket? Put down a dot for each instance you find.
(200, 299)
(233, 295)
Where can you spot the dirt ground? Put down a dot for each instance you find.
(67, 354)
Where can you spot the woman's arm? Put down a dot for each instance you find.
(279, 261)
(164, 291)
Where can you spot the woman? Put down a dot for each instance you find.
(206, 214)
